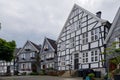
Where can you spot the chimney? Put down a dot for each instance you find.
(98, 14)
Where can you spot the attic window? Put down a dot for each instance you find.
(27, 49)
(46, 47)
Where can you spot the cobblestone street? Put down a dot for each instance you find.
(37, 78)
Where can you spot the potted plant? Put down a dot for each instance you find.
(92, 76)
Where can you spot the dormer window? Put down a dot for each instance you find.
(46, 47)
(27, 49)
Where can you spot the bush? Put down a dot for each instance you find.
(91, 75)
(52, 73)
(34, 73)
(42, 72)
(24, 73)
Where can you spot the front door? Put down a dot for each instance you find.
(76, 61)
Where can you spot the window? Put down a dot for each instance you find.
(85, 57)
(23, 55)
(52, 55)
(62, 63)
(77, 25)
(45, 47)
(76, 55)
(95, 34)
(85, 38)
(72, 28)
(22, 66)
(42, 57)
(62, 46)
(72, 42)
(32, 54)
(94, 55)
(118, 44)
(29, 65)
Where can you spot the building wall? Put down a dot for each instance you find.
(48, 57)
(115, 33)
(26, 58)
(4, 65)
(81, 42)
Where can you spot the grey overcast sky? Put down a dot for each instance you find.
(23, 20)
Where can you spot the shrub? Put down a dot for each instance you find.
(42, 72)
(91, 75)
(24, 73)
(34, 73)
(52, 73)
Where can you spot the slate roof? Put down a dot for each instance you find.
(16, 51)
(53, 43)
(113, 26)
(36, 46)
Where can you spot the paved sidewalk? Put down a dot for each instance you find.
(37, 78)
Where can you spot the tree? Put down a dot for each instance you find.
(113, 53)
(112, 57)
(7, 50)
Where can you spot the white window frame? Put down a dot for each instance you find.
(23, 56)
(62, 46)
(85, 38)
(94, 56)
(117, 40)
(95, 34)
(32, 54)
(85, 57)
(72, 42)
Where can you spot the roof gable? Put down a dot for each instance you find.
(115, 23)
(30, 45)
(77, 10)
(49, 44)
(52, 43)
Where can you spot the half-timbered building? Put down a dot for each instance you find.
(81, 41)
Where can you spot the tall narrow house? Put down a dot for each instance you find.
(81, 40)
(49, 54)
(28, 58)
(113, 36)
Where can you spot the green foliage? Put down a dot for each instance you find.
(116, 71)
(117, 50)
(112, 50)
(91, 75)
(34, 73)
(24, 73)
(7, 50)
(42, 72)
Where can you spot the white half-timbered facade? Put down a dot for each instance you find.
(81, 40)
(4, 66)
